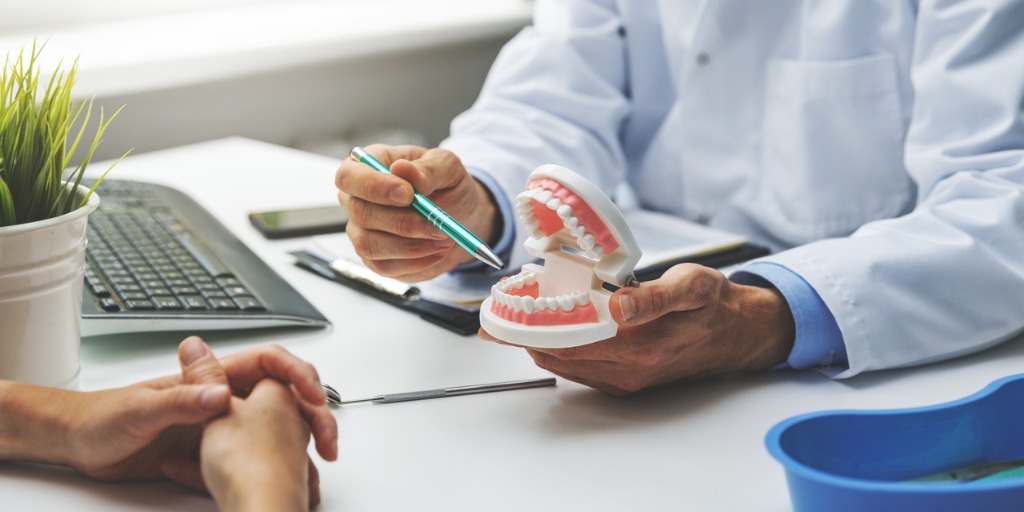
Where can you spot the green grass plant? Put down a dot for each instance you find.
(38, 140)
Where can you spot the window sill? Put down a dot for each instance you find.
(132, 56)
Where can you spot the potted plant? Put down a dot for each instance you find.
(43, 212)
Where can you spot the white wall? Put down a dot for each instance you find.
(418, 90)
(289, 72)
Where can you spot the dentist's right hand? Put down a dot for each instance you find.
(391, 237)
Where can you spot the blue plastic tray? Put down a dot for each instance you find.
(841, 461)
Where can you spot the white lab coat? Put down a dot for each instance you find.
(877, 144)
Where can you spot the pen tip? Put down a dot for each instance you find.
(486, 255)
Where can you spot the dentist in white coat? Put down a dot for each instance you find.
(876, 145)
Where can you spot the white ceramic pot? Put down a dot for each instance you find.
(41, 272)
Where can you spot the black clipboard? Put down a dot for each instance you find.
(458, 320)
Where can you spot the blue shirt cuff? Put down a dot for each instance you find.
(818, 340)
(503, 248)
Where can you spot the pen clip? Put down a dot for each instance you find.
(358, 272)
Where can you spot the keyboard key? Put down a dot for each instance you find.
(150, 284)
(140, 305)
(201, 278)
(184, 290)
(214, 294)
(237, 291)
(224, 304)
(159, 291)
(127, 288)
(249, 304)
(99, 290)
(194, 302)
(120, 281)
(208, 287)
(229, 281)
(108, 304)
(167, 303)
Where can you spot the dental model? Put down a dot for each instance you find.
(584, 242)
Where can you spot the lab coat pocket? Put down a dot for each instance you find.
(832, 154)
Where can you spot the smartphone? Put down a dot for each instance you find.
(300, 222)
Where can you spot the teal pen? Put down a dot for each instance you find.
(438, 217)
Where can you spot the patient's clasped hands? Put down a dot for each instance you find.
(237, 427)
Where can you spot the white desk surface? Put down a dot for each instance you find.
(692, 447)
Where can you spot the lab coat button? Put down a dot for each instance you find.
(703, 58)
(703, 219)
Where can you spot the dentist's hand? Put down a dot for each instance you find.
(690, 323)
(392, 238)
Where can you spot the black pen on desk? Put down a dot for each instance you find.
(438, 217)
(334, 398)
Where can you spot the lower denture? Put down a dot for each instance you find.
(579, 315)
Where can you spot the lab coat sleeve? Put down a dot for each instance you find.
(554, 95)
(948, 278)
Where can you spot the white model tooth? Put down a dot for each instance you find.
(578, 231)
(589, 240)
(531, 279)
(543, 196)
(564, 211)
(554, 203)
(572, 222)
(598, 252)
(581, 298)
(541, 303)
(566, 302)
(528, 304)
(517, 303)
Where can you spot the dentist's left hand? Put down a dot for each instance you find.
(690, 323)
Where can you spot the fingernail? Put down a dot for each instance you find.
(628, 306)
(192, 350)
(397, 194)
(436, 232)
(212, 399)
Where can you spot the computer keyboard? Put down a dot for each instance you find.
(158, 261)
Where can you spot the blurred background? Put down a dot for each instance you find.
(315, 75)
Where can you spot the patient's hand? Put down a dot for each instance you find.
(254, 458)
